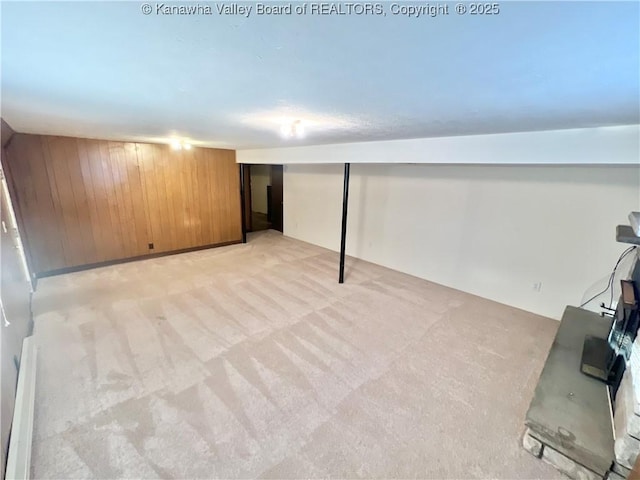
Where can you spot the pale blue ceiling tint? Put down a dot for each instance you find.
(103, 69)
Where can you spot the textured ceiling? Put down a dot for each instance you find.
(106, 70)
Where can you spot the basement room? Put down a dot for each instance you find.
(305, 240)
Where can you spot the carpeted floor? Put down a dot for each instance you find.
(252, 361)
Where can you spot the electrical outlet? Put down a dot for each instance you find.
(151, 246)
(537, 287)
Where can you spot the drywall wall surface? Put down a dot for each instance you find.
(534, 237)
(260, 178)
(15, 318)
(619, 145)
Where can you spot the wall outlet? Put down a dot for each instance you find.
(151, 246)
(537, 287)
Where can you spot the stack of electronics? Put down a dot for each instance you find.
(577, 419)
(605, 359)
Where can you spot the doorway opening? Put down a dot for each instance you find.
(263, 195)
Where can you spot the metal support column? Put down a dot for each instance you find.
(243, 214)
(345, 204)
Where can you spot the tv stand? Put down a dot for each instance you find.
(570, 414)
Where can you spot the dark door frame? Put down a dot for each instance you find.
(277, 197)
(276, 206)
(245, 195)
(245, 198)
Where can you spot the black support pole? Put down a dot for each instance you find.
(243, 214)
(345, 205)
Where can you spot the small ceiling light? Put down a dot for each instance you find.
(178, 145)
(294, 129)
(285, 131)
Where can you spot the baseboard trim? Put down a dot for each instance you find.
(19, 458)
(89, 266)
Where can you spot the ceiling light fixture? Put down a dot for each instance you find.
(292, 130)
(178, 145)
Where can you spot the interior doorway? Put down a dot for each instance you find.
(263, 197)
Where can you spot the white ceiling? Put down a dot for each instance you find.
(105, 70)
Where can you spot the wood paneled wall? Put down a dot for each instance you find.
(196, 200)
(84, 201)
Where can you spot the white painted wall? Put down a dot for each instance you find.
(542, 208)
(260, 178)
(493, 231)
(618, 145)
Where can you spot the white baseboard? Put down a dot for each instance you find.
(19, 459)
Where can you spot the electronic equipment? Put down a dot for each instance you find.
(606, 358)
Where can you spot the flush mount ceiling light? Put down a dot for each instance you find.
(178, 145)
(292, 121)
(294, 129)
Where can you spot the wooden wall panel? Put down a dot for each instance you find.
(71, 199)
(193, 196)
(34, 198)
(92, 201)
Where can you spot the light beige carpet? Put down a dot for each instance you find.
(252, 361)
